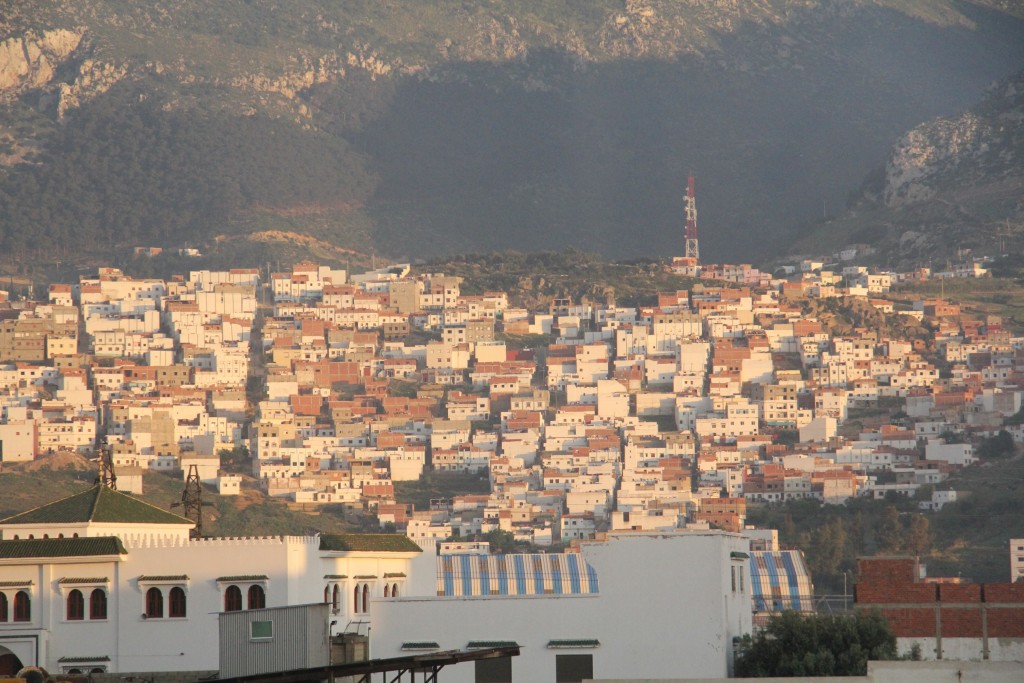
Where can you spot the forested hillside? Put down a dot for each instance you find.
(427, 128)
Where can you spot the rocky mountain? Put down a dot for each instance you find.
(422, 128)
(952, 185)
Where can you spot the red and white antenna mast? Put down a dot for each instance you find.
(692, 245)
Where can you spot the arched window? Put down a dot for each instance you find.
(257, 597)
(387, 591)
(327, 594)
(76, 606)
(22, 607)
(336, 598)
(366, 597)
(355, 601)
(177, 607)
(232, 599)
(154, 604)
(98, 604)
(394, 590)
(3, 606)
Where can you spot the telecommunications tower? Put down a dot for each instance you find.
(692, 244)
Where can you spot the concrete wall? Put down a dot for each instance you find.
(884, 672)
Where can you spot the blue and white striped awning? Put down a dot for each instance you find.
(520, 574)
(779, 581)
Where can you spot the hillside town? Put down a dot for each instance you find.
(615, 418)
(612, 432)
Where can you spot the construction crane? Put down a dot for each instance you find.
(192, 501)
(105, 458)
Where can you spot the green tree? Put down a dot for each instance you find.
(794, 644)
(997, 447)
(919, 536)
(890, 532)
(501, 541)
(827, 548)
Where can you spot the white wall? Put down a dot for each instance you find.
(665, 608)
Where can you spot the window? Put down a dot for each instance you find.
(22, 607)
(394, 590)
(355, 600)
(232, 599)
(366, 597)
(98, 604)
(257, 597)
(498, 670)
(3, 606)
(261, 630)
(336, 598)
(573, 668)
(154, 604)
(177, 606)
(327, 594)
(387, 590)
(75, 606)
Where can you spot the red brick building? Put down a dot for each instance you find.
(946, 618)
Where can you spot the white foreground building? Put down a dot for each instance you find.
(103, 582)
(637, 605)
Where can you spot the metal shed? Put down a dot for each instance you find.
(262, 641)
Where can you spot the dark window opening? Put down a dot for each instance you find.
(232, 599)
(154, 604)
(22, 607)
(98, 604)
(76, 606)
(257, 597)
(177, 605)
(497, 670)
(573, 668)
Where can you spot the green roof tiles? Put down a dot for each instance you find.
(164, 578)
(61, 547)
(245, 577)
(79, 580)
(421, 645)
(387, 543)
(574, 643)
(97, 504)
(83, 660)
(488, 644)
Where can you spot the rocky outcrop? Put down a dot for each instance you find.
(980, 146)
(30, 61)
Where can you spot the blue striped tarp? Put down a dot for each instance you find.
(520, 574)
(779, 581)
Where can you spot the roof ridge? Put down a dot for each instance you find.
(95, 502)
(148, 504)
(52, 502)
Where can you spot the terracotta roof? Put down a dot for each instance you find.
(390, 543)
(61, 547)
(97, 504)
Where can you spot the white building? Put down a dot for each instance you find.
(102, 582)
(606, 613)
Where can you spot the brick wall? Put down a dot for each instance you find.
(918, 609)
